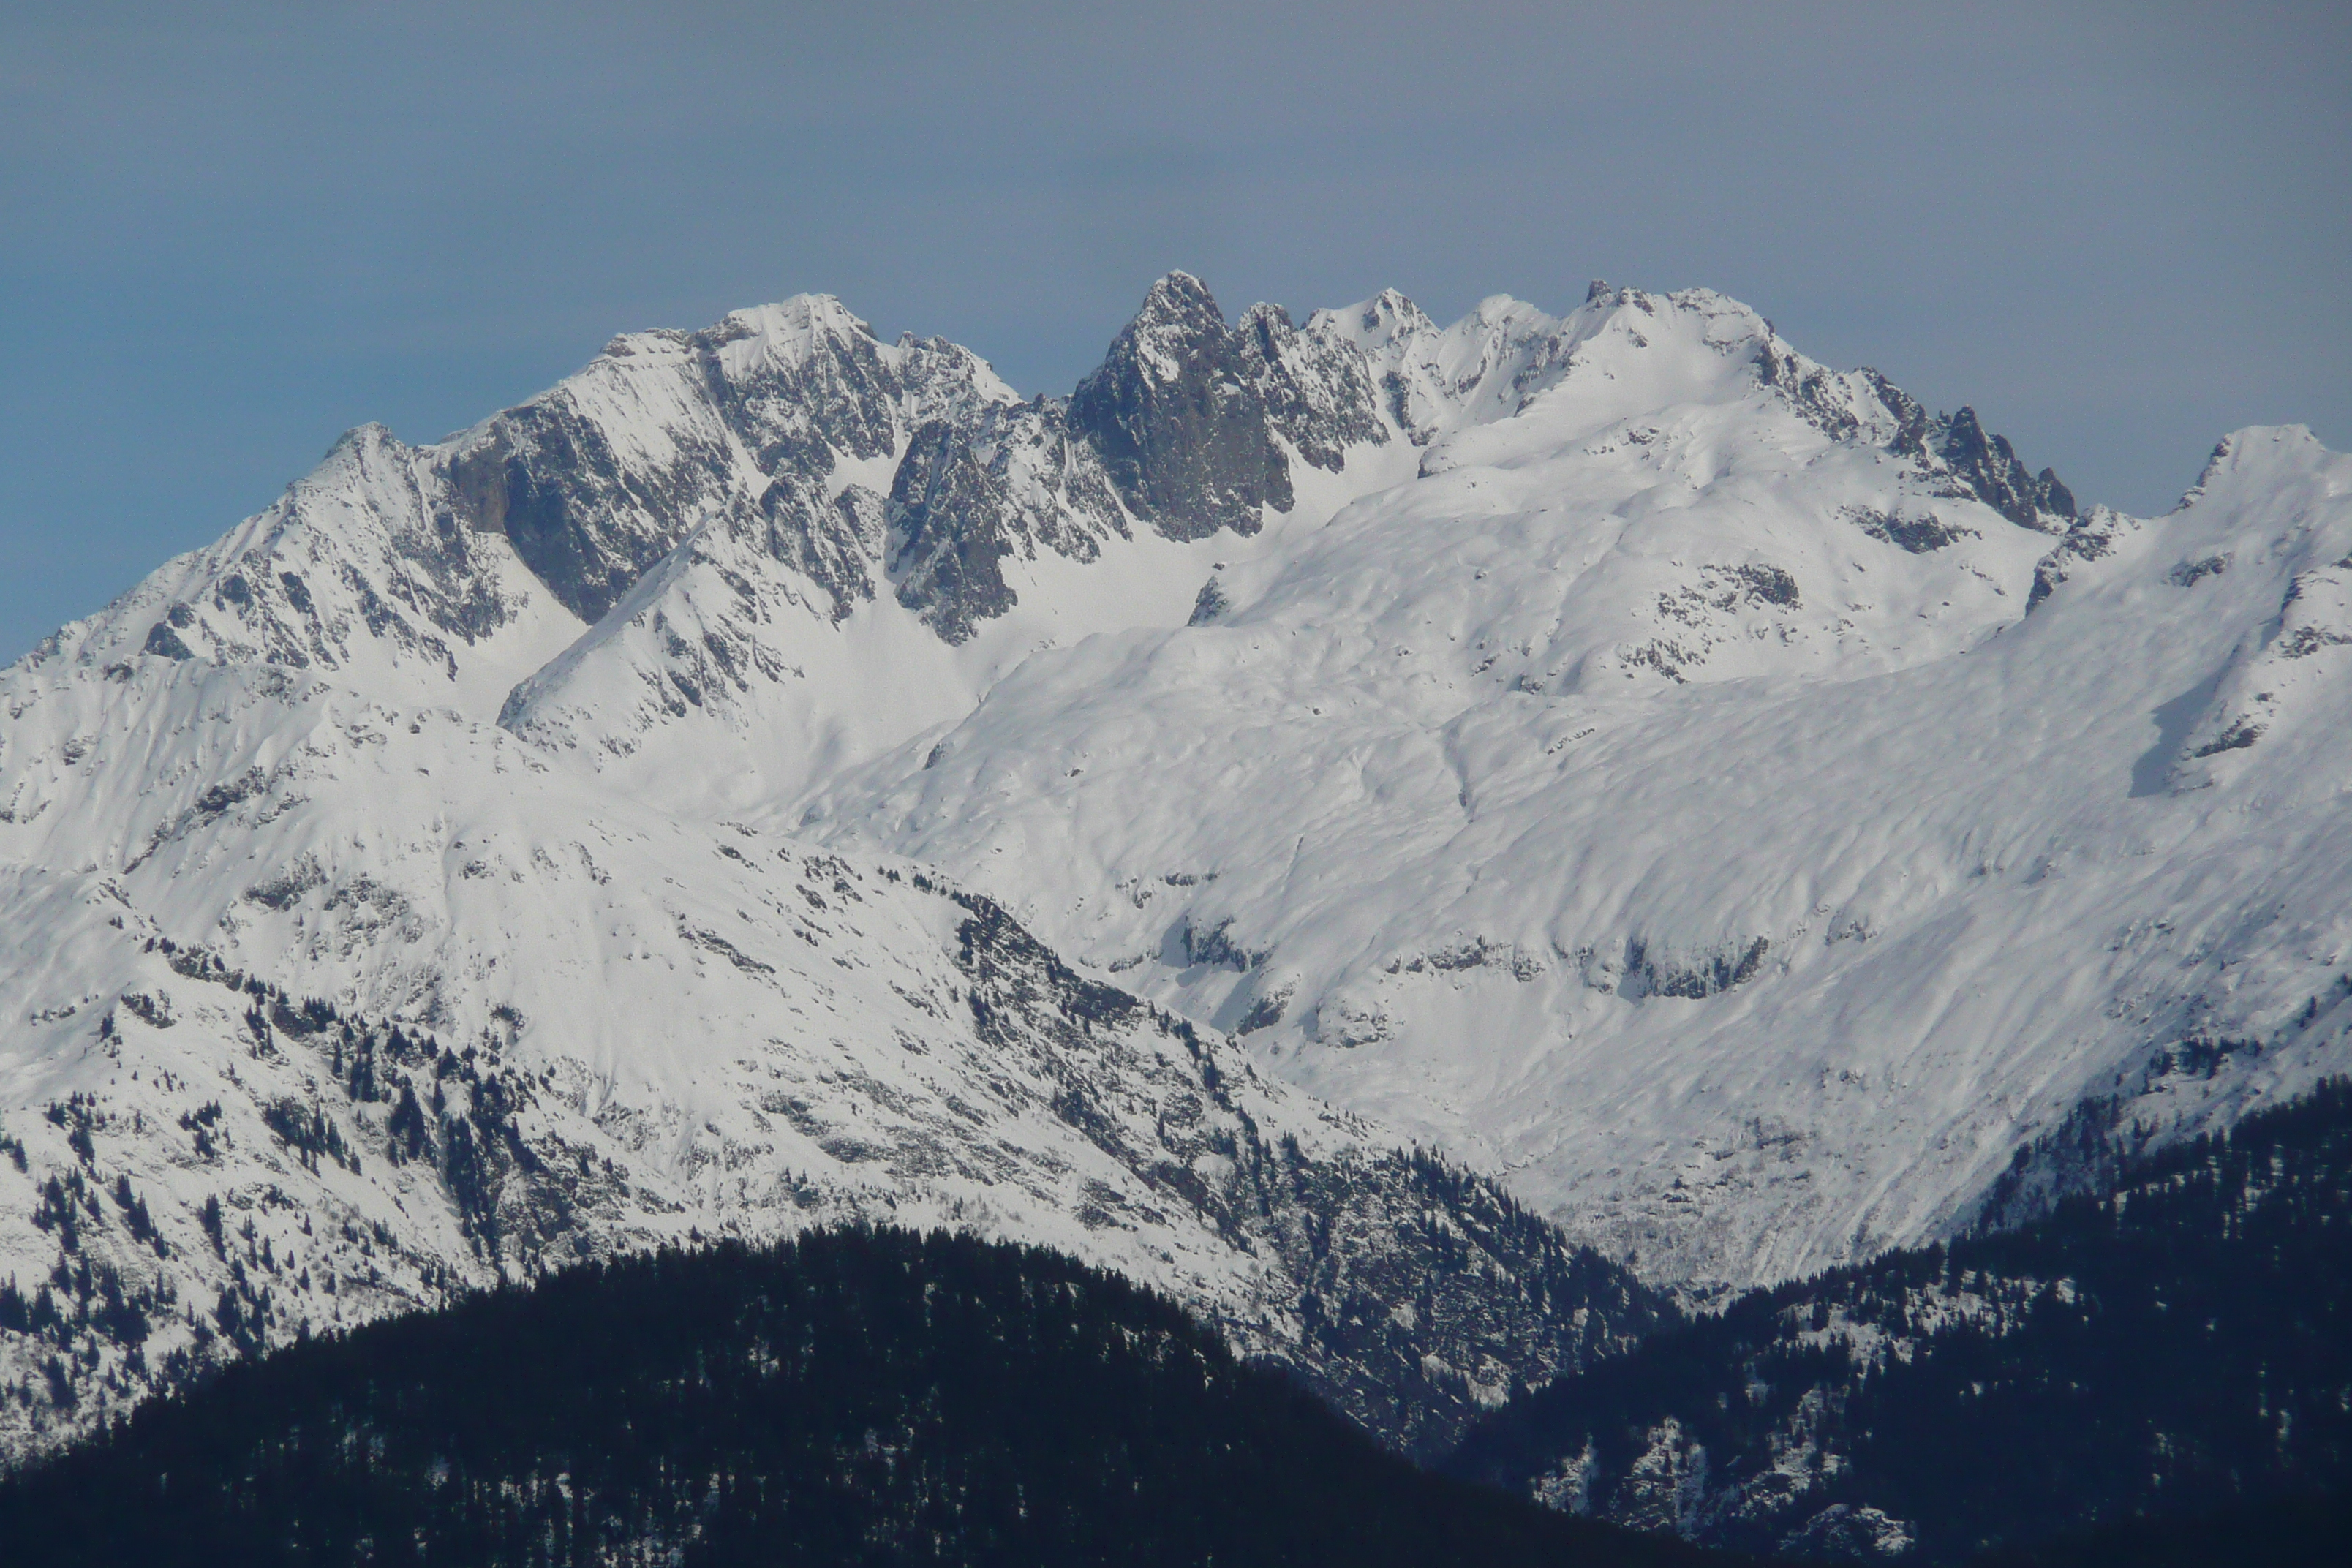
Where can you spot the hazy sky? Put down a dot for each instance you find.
(2117, 231)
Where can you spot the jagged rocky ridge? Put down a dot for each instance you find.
(2171, 1341)
(724, 487)
(1240, 679)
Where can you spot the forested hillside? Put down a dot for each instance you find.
(2180, 1343)
(852, 1397)
(2294, 1533)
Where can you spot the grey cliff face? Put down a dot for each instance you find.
(585, 526)
(1316, 387)
(840, 398)
(1179, 421)
(832, 542)
(588, 523)
(1991, 469)
(955, 528)
(1955, 450)
(1010, 482)
(306, 585)
(674, 442)
(840, 542)
(1176, 428)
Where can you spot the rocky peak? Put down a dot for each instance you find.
(1507, 334)
(969, 497)
(945, 381)
(360, 571)
(2271, 453)
(1433, 380)
(1989, 466)
(786, 334)
(1953, 451)
(1266, 325)
(1179, 421)
(1177, 315)
(1317, 387)
(1374, 325)
(740, 425)
(802, 382)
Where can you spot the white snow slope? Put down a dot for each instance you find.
(322, 1008)
(1609, 806)
(1694, 787)
(1744, 976)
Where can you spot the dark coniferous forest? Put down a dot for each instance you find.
(2157, 1374)
(2177, 1345)
(2298, 1533)
(854, 1397)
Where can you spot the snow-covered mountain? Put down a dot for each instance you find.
(1728, 806)
(1735, 808)
(323, 1008)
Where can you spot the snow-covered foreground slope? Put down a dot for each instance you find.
(1727, 805)
(324, 1008)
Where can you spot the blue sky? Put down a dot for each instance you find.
(2117, 231)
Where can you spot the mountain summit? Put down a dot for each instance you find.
(1717, 810)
